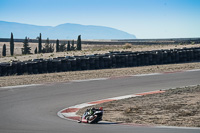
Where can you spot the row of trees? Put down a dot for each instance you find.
(11, 47)
(47, 48)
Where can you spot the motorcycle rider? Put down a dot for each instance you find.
(92, 110)
(89, 113)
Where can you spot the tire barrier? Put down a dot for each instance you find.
(114, 59)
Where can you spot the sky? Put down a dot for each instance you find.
(143, 18)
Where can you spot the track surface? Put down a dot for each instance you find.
(34, 109)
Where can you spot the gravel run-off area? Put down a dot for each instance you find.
(174, 107)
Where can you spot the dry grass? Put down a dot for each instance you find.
(127, 46)
(87, 50)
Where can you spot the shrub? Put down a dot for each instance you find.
(127, 46)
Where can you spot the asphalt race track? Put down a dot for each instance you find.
(34, 109)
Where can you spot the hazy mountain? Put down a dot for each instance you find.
(63, 31)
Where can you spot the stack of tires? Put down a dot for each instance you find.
(114, 59)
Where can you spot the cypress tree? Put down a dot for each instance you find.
(35, 50)
(4, 50)
(62, 47)
(79, 43)
(57, 46)
(72, 47)
(46, 48)
(51, 48)
(26, 49)
(40, 44)
(68, 46)
(11, 45)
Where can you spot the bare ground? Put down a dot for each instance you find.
(175, 107)
(86, 50)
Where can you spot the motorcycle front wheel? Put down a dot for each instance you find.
(93, 120)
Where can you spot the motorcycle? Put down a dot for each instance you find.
(92, 118)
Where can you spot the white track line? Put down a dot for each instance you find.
(194, 70)
(122, 97)
(96, 79)
(82, 105)
(18, 86)
(85, 80)
(150, 74)
(177, 127)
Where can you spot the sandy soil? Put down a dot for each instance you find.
(175, 107)
(86, 50)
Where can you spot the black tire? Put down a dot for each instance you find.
(94, 120)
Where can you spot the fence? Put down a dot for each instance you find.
(100, 61)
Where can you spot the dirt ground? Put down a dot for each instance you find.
(86, 50)
(175, 107)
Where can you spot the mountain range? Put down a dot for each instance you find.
(62, 31)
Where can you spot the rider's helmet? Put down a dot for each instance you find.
(101, 108)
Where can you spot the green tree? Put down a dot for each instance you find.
(40, 44)
(68, 46)
(4, 50)
(26, 49)
(57, 46)
(72, 47)
(48, 48)
(35, 50)
(79, 43)
(62, 47)
(51, 48)
(11, 45)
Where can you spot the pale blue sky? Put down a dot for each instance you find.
(143, 18)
